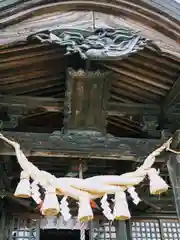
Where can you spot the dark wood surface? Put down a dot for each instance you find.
(16, 108)
(86, 101)
(171, 8)
(158, 17)
(22, 104)
(80, 145)
(167, 6)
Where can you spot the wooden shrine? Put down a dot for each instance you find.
(88, 89)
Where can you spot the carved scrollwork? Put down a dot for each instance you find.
(100, 44)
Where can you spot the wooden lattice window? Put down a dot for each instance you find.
(170, 229)
(103, 231)
(146, 230)
(159, 229)
(24, 229)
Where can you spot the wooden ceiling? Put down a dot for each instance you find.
(39, 70)
(144, 97)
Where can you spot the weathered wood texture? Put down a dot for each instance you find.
(21, 105)
(85, 106)
(149, 17)
(167, 7)
(144, 78)
(80, 145)
(39, 70)
(175, 145)
(173, 97)
(5, 224)
(16, 108)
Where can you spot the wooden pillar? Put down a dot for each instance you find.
(173, 165)
(121, 230)
(2, 226)
(5, 225)
(86, 101)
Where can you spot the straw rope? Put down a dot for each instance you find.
(84, 190)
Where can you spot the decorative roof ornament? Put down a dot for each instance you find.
(100, 44)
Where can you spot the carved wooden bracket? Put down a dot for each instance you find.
(86, 101)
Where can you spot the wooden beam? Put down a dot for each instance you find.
(120, 109)
(80, 145)
(175, 145)
(172, 97)
(16, 108)
(18, 105)
(170, 108)
(85, 105)
(21, 102)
